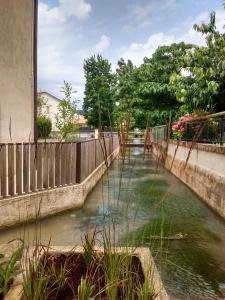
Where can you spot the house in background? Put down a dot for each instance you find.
(81, 121)
(51, 108)
(18, 57)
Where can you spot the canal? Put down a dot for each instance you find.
(147, 207)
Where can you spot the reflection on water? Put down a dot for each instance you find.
(145, 202)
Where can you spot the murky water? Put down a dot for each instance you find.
(146, 203)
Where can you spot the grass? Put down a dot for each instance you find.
(7, 271)
(109, 274)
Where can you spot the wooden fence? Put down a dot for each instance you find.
(29, 167)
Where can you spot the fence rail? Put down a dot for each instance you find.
(30, 167)
(209, 129)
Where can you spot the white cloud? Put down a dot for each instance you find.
(98, 48)
(56, 62)
(66, 8)
(137, 51)
(140, 11)
(77, 8)
(103, 44)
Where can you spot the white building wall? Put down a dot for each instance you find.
(16, 71)
(51, 108)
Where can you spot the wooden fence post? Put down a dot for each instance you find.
(19, 168)
(33, 167)
(40, 167)
(4, 171)
(12, 169)
(78, 163)
(52, 180)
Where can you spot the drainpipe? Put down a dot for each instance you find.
(35, 31)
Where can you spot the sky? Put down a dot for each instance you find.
(71, 30)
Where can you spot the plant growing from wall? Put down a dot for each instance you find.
(66, 115)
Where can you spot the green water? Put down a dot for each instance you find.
(145, 202)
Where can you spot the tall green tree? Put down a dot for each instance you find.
(204, 87)
(125, 92)
(155, 73)
(99, 101)
(156, 97)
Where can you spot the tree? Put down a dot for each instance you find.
(155, 96)
(44, 123)
(125, 91)
(66, 115)
(41, 104)
(204, 86)
(99, 101)
(155, 73)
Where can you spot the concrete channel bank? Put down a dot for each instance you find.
(201, 167)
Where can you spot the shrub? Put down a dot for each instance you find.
(44, 126)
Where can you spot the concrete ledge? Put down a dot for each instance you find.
(29, 207)
(216, 148)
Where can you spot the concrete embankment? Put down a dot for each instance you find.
(200, 166)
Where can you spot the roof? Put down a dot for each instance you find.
(43, 92)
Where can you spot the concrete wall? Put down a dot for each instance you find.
(204, 172)
(16, 70)
(45, 203)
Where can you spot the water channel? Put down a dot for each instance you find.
(145, 202)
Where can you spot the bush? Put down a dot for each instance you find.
(44, 126)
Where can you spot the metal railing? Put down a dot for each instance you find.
(209, 129)
(160, 133)
(30, 167)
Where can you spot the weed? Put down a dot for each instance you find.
(7, 271)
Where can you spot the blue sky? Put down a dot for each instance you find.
(72, 30)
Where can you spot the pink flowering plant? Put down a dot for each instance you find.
(180, 127)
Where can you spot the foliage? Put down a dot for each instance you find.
(154, 74)
(7, 271)
(44, 126)
(204, 83)
(65, 117)
(178, 78)
(41, 104)
(99, 92)
(41, 277)
(85, 290)
(186, 125)
(125, 90)
(180, 126)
